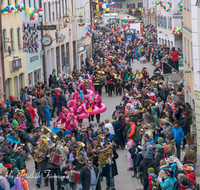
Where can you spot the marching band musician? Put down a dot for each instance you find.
(82, 137)
(74, 159)
(35, 143)
(68, 137)
(111, 169)
(41, 166)
(91, 150)
(61, 131)
(53, 168)
(90, 135)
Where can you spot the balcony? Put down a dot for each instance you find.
(177, 13)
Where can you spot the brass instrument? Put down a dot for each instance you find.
(80, 153)
(63, 147)
(41, 149)
(95, 154)
(107, 152)
(52, 135)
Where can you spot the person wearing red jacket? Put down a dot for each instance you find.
(174, 54)
(32, 111)
(57, 101)
(110, 83)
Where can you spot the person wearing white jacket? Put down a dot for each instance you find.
(109, 126)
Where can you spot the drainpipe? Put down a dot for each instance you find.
(2, 60)
(43, 56)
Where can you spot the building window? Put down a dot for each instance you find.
(185, 56)
(66, 7)
(140, 4)
(192, 56)
(63, 7)
(184, 4)
(11, 39)
(49, 11)
(188, 52)
(118, 6)
(130, 5)
(188, 6)
(9, 2)
(162, 21)
(53, 11)
(72, 2)
(45, 12)
(56, 10)
(165, 22)
(169, 23)
(16, 2)
(18, 38)
(4, 40)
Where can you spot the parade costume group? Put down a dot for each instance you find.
(150, 122)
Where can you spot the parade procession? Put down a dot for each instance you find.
(99, 95)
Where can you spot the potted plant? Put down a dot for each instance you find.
(189, 139)
(191, 155)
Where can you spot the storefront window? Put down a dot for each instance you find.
(30, 79)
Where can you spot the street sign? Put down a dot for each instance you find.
(47, 27)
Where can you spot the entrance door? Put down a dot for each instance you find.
(58, 59)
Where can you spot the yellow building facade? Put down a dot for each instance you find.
(14, 57)
(187, 53)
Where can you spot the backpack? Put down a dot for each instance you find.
(176, 186)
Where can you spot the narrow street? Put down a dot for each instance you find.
(124, 179)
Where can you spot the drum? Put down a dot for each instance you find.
(74, 176)
(56, 158)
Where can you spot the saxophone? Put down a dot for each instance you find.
(95, 154)
(80, 153)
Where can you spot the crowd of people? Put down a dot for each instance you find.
(151, 122)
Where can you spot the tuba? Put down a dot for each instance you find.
(52, 135)
(95, 154)
(80, 153)
(41, 149)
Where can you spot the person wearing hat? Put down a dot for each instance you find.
(90, 134)
(167, 127)
(159, 155)
(96, 82)
(178, 137)
(169, 182)
(55, 128)
(93, 148)
(151, 178)
(74, 159)
(158, 133)
(61, 132)
(146, 163)
(82, 138)
(68, 136)
(190, 175)
(53, 168)
(111, 169)
(40, 166)
(171, 143)
(16, 158)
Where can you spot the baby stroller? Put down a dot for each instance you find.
(192, 166)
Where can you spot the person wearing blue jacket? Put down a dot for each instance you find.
(55, 128)
(47, 115)
(12, 138)
(178, 136)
